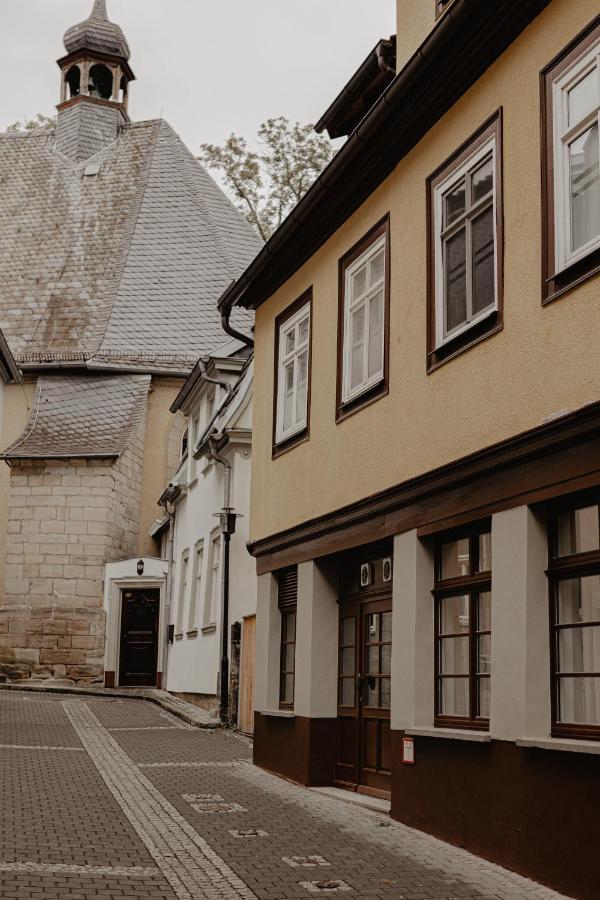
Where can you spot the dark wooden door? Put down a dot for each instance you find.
(365, 654)
(139, 637)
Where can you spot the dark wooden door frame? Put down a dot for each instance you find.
(150, 679)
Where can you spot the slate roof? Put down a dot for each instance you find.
(97, 33)
(116, 261)
(82, 416)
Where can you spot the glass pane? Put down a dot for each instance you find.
(290, 340)
(348, 657)
(579, 649)
(585, 188)
(348, 630)
(455, 559)
(288, 689)
(484, 696)
(386, 659)
(454, 204)
(454, 697)
(578, 531)
(484, 611)
(484, 269)
(375, 362)
(386, 626)
(583, 98)
(386, 692)
(482, 180)
(373, 631)
(347, 692)
(484, 654)
(373, 661)
(290, 657)
(358, 347)
(290, 626)
(579, 600)
(454, 615)
(303, 331)
(579, 700)
(301, 401)
(372, 693)
(456, 281)
(485, 552)
(454, 656)
(359, 283)
(288, 397)
(377, 267)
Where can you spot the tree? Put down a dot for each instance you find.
(266, 185)
(38, 121)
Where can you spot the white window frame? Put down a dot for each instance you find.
(348, 393)
(283, 361)
(564, 135)
(194, 434)
(211, 600)
(197, 585)
(183, 581)
(441, 336)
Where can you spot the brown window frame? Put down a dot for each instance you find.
(556, 284)
(494, 322)
(288, 606)
(344, 409)
(562, 568)
(281, 447)
(473, 584)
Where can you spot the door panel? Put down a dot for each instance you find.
(247, 675)
(364, 695)
(139, 637)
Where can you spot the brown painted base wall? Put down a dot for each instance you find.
(300, 749)
(533, 811)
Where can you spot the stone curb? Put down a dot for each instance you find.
(180, 708)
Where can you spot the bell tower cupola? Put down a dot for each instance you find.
(95, 80)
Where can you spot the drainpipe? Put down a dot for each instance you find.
(166, 501)
(224, 306)
(227, 520)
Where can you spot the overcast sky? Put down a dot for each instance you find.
(209, 67)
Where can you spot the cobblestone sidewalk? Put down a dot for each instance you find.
(109, 798)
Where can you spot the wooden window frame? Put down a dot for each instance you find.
(345, 408)
(183, 584)
(492, 321)
(558, 276)
(563, 568)
(196, 592)
(288, 606)
(473, 585)
(208, 622)
(280, 446)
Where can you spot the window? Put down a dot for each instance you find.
(195, 433)
(364, 321)
(183, 580)
(213, 596)
(571, 170)
(184, 443)
(288, 599)
(197, 575)
(292, 379)
(465, 246)
(463, 629)
(574, 577)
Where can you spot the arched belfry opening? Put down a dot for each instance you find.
(73, 80)
(123, 91)
(100, 82)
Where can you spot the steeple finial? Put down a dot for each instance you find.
(99, 10)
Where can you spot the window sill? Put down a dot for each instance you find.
(452, 734)
(209, 629)
(192, 633)
(279, 713)
(565, 745)
(289, 443)
(469, 338)
(349, 407)
(567, 279)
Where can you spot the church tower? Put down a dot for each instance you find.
(95, 79)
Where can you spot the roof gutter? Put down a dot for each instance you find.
(442, 52)
(225, 308)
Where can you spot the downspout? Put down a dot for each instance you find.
(217, 381)
(166, 502)
(224, 306)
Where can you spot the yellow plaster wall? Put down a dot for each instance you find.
(16, 405)
(156, 471)
(545, 359)
(415, 19)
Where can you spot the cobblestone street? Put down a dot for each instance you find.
(113, 798)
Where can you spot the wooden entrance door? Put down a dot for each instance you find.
(246, 716)
(139, 637)
(365, 655)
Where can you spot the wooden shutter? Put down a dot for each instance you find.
(288, 587)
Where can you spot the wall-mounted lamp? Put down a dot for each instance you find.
(140, 567)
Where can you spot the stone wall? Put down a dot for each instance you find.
(66, 519)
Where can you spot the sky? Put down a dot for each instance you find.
(209, 67)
